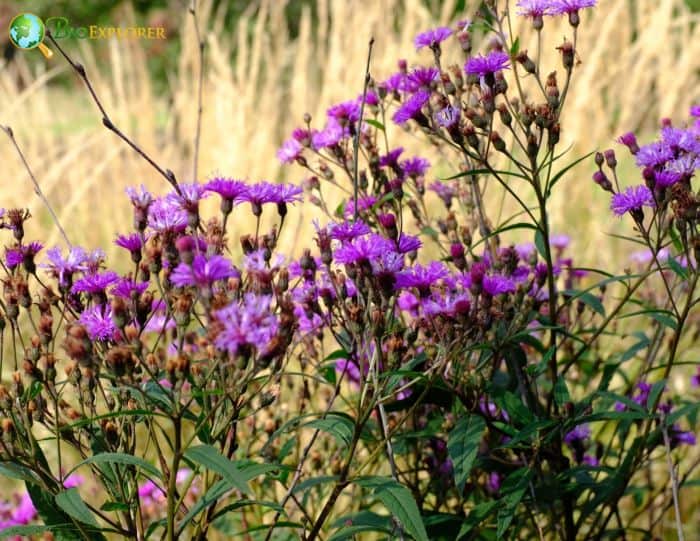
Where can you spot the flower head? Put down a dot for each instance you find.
(64, 268)
(534, 8)
(411, 108)
(203, 272)
(95, 283)
(290, 150)
(249, 324)
(432, 38)
(560, 7)
(98, 322)
(228, 188)
(487, 65)
(632, 199)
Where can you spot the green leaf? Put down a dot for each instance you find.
(462, 445)
(341, 428)
(515, 48)
(540, 243)
(375, 123)
(513, 489)
(61, 524)
(476, 172)
(561, 392)
(120, 458)
(213, 460)
(24, 531)
(400, 503)
(476, 515)
(114, 506)
(587, 298)
(16, 471)
(71, 502)
(314, 481)
(676, 267)
(665, 317)
(654, 393)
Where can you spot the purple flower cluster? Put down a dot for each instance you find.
(249, 324)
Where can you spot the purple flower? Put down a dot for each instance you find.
(131, 242)
(73, 480)
(19, 511)
(203, 272)
(415, 167)
(630, 141)
(632, 199)
(63, 269)
(493, 482)
(421, 79)
(684, 165)
(654, 154)
(370, 98)
(140, 200)
(98, 322)
(450, 304)
(487, 65)
(497, 285)
(560, 7)
(290, 150)
(411, 108)
(189, 196)
(432, 38)
(579, 433)
(408, 302)
(391, 159)
(229, 189)
(666, 178)
(13, 257)
(695, 111)
(330, 136)
(447, 117)
(346, 231)
(559, 241)
(363, 249)
(534, 8)
(681, 437)
(266, 192)
(166, 216)
(408, 243)
(695, 378)
(22, 254)
(525, 251)
(126, 288)
(445, 191)
(363, 203)
(95, 283)
(250, 324)
(348, 111)
(421, 277)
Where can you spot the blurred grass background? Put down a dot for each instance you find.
(269, 62)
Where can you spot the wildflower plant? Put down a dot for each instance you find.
(358, 384)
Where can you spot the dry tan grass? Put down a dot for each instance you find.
(260, 83)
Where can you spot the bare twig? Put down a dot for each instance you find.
(674, 481)
(356, 142)
(37, 188)
(198, 131)
(80, 70)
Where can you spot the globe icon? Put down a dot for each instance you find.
(27, 32)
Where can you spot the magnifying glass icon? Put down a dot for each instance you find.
(27, 32)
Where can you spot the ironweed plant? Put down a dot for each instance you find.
(415, 373)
